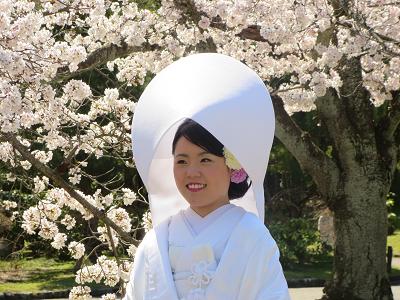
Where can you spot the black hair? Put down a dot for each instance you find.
(198, 135)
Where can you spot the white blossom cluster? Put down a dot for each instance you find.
(32, 56)
(104, 236)
(46, 214)
(146, 221)
(40, 184)
(124, 270)
(76, 249)
(59, 241)
(291, 31)
(34, 218)
(68, 221)
(105, 269)
(8, 205)
(121, 218)
(129, 196)
(132, 250)
(6, 153)
(109, 296)
(80, 293)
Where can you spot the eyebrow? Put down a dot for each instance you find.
(186, 155)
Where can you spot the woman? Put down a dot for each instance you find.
(209, 241)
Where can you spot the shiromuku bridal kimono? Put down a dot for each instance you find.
(235, 257)
(229, 254)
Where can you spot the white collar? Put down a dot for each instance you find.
(198, 223)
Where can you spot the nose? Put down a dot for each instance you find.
(193, 171)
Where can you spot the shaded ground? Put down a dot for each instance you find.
(309, 293)
(316, 293)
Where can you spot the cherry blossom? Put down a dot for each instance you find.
(76, 249)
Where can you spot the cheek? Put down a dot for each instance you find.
(177, 175)
(180, 178)
(223, 176)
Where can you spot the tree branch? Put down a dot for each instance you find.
(393, 116)
(386, 131)
(252, 32)
(59, 181)
(102, 56)
(336, 114)
(355, 98)
(312, 159)
(108, 53)
(192, 14)
(345, 8)
(111, 52)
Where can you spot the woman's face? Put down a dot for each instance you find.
(202, 178)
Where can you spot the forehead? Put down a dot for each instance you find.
(184, 146)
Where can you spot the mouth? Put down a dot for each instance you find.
(195, 187)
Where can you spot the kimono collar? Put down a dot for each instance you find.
(221, 94)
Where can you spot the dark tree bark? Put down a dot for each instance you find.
(354, 182)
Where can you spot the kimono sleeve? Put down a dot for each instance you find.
(135, 288)
(263, 278)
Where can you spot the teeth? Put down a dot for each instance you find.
(195, 186)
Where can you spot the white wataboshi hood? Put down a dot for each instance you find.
(224, 96)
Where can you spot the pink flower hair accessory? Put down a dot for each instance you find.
(238, 176)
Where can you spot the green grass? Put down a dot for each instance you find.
(39, 284)
(323, 268)
(35, 264)
(35, 275)
(320, 270)
(394, 241)
(43, 274)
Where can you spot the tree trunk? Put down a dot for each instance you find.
(360, 220)
(354, 181)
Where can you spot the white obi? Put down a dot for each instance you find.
(194, 259)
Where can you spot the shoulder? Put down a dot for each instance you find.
(252, 227)
(158, 230)
(250, 222)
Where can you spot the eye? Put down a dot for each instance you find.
(180, 162)
(206, 160)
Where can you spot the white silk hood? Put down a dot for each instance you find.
(221, 94)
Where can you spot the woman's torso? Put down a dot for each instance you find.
(196, 246)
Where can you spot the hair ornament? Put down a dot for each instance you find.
(238, 174)
(230, 160)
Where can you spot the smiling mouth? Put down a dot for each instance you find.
(195, 187)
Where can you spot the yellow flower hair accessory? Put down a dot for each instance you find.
(230, 160)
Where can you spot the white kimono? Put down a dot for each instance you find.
(235, 257)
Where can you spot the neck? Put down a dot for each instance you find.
(204, 211)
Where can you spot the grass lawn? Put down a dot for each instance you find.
(35, 275)
(394, 241)
(320, 270)
(323, 269)
(43, 274)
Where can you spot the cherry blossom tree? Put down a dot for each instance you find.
(340, 58)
